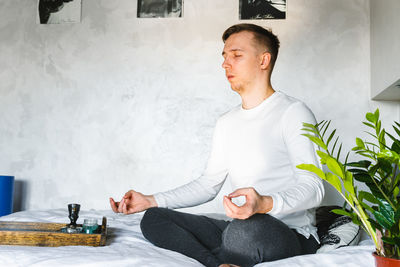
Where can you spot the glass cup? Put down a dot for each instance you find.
(89, 225)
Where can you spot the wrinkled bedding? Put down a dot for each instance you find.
(126, 246)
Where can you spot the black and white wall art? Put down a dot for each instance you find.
(160, 9)
(262, 9)
(59, 11)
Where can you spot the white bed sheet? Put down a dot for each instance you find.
(126, 246)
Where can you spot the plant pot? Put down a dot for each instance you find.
(385, 262)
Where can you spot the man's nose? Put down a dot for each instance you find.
(225, 64)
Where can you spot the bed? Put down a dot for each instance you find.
(126, 246)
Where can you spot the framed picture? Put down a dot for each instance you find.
(160, 9)
(262, 9)
(59, 11)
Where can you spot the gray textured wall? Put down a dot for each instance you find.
(89, 110)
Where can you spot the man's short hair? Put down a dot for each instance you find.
(261, 35)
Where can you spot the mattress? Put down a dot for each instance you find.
(126, 246)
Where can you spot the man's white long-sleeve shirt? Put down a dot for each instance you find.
(260, 148)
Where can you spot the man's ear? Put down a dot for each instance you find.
(265, 60)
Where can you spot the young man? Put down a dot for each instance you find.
(258, 144)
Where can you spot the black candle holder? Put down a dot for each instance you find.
(73, 210)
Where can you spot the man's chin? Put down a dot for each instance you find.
(236, 88)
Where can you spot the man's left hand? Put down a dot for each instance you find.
(255, 203)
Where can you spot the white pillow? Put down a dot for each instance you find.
(342, 232)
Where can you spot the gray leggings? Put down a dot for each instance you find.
(212, 242)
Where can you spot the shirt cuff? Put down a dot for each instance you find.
(161, 201)
(277, 203)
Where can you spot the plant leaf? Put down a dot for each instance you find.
(374, 224)
(334, 181)
(378, 127)
(396, 143)
(388, 240)
(361, 164)
(396, 147)
(396, 191)
(330, 137)
(355, 219)
(389, 155)
(365, 155)
(397, 215)
(373, 169)
(362, 177)
(386, 210)
(348, 183)
(367, 196)
(374, 136)
(386, 224)
(349, 197)
(374, 190)
(312, 168)
(398, 124)
(376, 114)
(338, 154)
(396, 129)
(381, 139)
(321, 125)
(316, 140)
(366, 207)
(334, 166)
(396, 240)
(308, 130)
(341, 212)
(323, 156)
(347, 157)
(385, 164)
(369, 124)
(308, 125)
(360, 143)
(370, 117)
(372, 144)
(326, 128)
(334, 145)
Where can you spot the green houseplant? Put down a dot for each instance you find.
(377, 211)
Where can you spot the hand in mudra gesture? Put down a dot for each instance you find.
(255, 203)
(133, 202)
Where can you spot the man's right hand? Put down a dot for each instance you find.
(133, 202)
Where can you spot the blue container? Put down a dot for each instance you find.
(6, 194)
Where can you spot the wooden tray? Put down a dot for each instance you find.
(48, 235)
